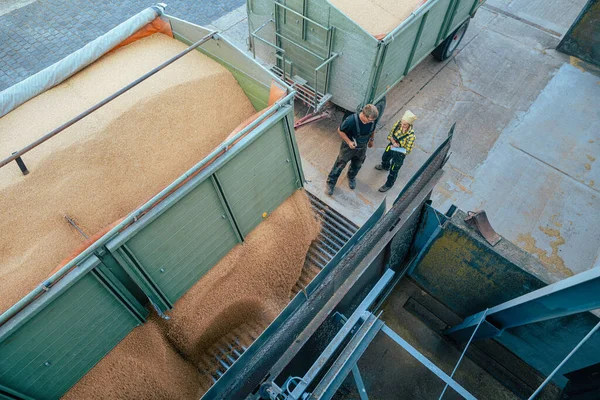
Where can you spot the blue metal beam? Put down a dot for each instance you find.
(427, 363)
(341, 335)
(360, 385)
(347, 359)
(573, 295)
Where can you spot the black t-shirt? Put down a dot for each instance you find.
(364, 130)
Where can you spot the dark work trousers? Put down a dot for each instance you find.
(355, 156)
(392, 161)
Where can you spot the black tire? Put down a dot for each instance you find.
(446, 49)
(381, 108)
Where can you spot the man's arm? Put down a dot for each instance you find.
(345, 138)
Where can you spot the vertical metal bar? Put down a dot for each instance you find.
(464, 351)
(445, 22)
(330, 37)
(228, 212)
(539, 389)
(449, 25)
(21, 164)
(416, 44)
(283, 59)
(304, 22)
(474, 6)
(379, 62)
(360, 385)
(316, 88)
(341, 335)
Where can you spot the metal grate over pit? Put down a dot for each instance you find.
(336, 230)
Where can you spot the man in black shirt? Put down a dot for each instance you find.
(357, 132)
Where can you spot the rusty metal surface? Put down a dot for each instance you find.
(479, 221)
(583, 38)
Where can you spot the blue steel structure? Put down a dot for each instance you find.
(573, 295)
(363, 326)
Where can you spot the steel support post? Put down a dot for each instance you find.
(464, 352)
(427, 363)
(573, 295)
(341, 335)
(539, 389)
(360, 385)
(342, 366)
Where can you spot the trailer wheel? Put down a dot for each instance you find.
(446, 49)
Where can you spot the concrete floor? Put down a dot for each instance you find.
(526, 138)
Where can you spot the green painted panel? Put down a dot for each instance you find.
(396, 57)
(260, 178)
(350, 75)
(183, 243)
(463, 12)
(54, 349)
(256, 91)
(433, 24)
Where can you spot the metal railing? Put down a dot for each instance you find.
(16, 156)
(310, 95)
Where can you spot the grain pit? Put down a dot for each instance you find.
(234, 301)
(108, 164)
(378, 17)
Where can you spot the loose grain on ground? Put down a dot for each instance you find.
(242, 294)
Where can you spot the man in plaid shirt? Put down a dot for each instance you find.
(401, 141)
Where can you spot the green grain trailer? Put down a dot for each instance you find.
(329, 57)
(56, 334)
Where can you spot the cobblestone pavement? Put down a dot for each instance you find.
(37, 35)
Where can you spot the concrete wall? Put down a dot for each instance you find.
(467, 275)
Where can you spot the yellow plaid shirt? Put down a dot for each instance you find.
(408, 142)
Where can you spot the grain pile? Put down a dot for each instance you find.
(106, 165)
(237, 298)
(377, 16)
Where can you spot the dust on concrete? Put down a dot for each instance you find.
(552, 260)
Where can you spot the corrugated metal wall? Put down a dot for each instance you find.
(413, 43)
(175, 244)
(64, 336)
(51, 344)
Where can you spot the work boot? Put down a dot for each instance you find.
(379, 167)
(384, 188)
(352, 183)
(330, 189)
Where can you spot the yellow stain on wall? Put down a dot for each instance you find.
(591, 158)
(555, 222)
(576, 62)
(588, 166)
(552, 260)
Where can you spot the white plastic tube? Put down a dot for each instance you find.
(47, 78)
